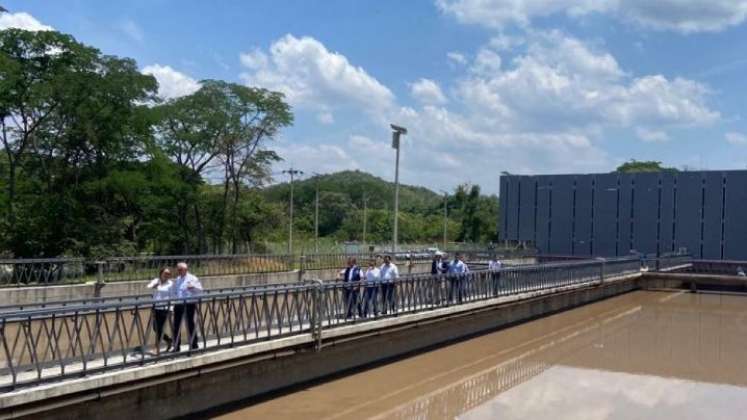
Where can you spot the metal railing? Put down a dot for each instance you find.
(44, 344)
(58, 271)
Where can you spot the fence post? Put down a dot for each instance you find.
(316, 315)
(302, 267)
(602, 272)
(99, 278)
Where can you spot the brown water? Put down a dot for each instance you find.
(638, 356)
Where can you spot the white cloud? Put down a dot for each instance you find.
(456, 58)
(684, 16)
(133, 30)
(171, 83)
(313, 77)
(325, 118)
(653, 136)
(544, 110)
(736, 138)
(22, 20)
(560, 81)
(427, 91)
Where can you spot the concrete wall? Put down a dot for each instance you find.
(209, 380)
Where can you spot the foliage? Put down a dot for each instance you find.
(633, 166)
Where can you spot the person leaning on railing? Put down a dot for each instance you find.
(389, 275)
(161, 286)
(494, 266)
(352, 277)
(185, 287)
(373, 282)
(458, 271)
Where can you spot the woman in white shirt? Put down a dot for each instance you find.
(373, 279)
(161, 286)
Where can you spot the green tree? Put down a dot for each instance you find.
(633, 166)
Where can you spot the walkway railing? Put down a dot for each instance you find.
(55, 343)
(57, 271)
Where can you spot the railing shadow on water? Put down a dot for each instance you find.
(47, 344)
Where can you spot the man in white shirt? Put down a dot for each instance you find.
(494, 266)
(186, 288)
(457, 275)
(389, 275)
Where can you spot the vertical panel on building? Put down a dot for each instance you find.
(712, 215)
(645, 212)
(605, 214)
(526, 203)
(502, 220)
(735, 216)
(512, 208)
(689, 206)
(583, 212)
(562, 214)
(624, 211)
(544, 189)
(666, 225)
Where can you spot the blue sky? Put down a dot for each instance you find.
(532, 86)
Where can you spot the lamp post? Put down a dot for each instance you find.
(397, 132)
(316, 215)
(292, 172)
(446, 216)
(365, 217)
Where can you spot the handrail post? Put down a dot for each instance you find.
(301, 268)
(99, 279)
(602, 272)
(316, 321)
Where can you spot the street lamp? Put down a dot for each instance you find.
(446, 215)
(292, 172)
(316, 215)
(397, 131)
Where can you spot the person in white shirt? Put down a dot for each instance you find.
(186, 286)
(494, 266)
(389, 275)
(373, 281)
(161, 286)
(458, 271)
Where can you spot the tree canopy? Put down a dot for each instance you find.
(94, 163)
(633, 166)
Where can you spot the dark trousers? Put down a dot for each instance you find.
(388, 295)
(496, 280)
(456, 288)
(350, 295)
(180, 310)
(370, 302)
(160, 316)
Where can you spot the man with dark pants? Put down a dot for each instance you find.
(186, 288)
(494, 266)
(457, 275)
(389, 274)
(351, 278)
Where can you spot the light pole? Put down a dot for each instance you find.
(316, 215)
(365, 218)
(397, 131)
(446, 215)
(292, 172)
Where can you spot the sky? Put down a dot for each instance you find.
(483, 86)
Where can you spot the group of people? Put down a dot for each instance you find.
(364, 290)
(184, 286)
(379, 279)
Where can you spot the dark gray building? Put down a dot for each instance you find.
(614, 213)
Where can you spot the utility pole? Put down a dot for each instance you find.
(446, 216)
(292, 172)
(365, 218)
(316, 216)
(397, 131)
